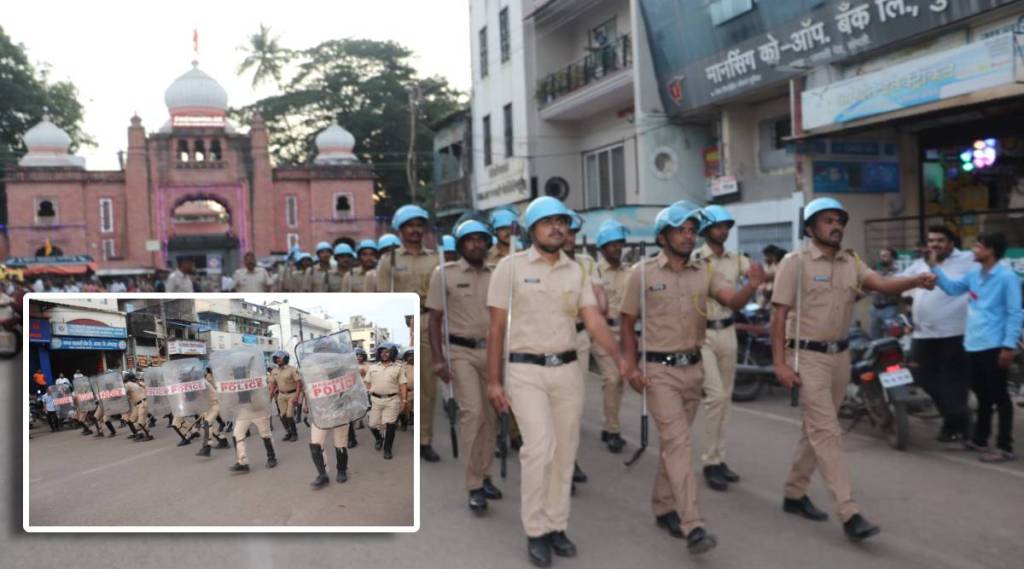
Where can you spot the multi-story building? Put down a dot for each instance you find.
(226, 323)
(453, 167)
(367, 334)
(296, 325)
(65, 335)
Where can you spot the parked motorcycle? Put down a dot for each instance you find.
(882, 386)
(754, 352)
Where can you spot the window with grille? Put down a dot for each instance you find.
(106, 215)
(504, 35)
(487, 140)
(604, 177)
(108, 249)
(291, 211)
(507, 112)
(483, 52)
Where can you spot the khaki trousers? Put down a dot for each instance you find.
(318, 436)
(211, 418)
(245, 418)
(286, 403)
(383, 410)
(718, 356)
(824, 378)
(673, 398)
(548, 402)
(611, 386)
(478, 421)
(427, 390)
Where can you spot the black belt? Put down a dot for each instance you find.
(546, 360)
(580, 326)
(140, 402)
(378, 396)
(613, 322)
(674, 359)
(282, 392)
(823, 347)
(885, 305)
(721, 324)
(468, 342)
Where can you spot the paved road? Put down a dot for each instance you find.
(938, 510)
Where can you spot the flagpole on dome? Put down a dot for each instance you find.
(195, 45)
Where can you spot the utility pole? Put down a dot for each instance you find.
(410, 162)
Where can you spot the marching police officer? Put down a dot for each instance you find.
(501, 220)
(718, 356)
(413, 266)
(465, 286)
(676, 293)
(251, 278)
(814, 295)
(341, 278)
(139, 416)
(285, 383)
(448, 247)
(209, 425)
(300, 278)
(387, 243)
(322, 270)
(611, 276)
(366, 254)
(389, 393)
(546, 292)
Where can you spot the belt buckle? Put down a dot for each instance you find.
(682, 359)
(481, 344)
(832, 347)
(552, 360)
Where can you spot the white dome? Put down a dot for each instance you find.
(47, 135)
(335, 144)
(196, 90)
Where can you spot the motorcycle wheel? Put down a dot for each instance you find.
(898, 432)
(747, 387)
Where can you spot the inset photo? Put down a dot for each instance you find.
(220, 412)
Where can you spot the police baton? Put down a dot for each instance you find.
(794, 392)
(451, 407)
(643, 354)
(391, 274)
(503, 443)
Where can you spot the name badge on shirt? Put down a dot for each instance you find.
(401, 269)
(462, 285)
(657, 287)
(531, 280)
(822, 278)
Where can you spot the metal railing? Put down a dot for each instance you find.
(453, 195)
(903, 233)
(596, 65)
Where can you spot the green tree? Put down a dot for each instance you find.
(265, 56)
(364, 85)
(25, 91)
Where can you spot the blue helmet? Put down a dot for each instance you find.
(303, 256)
(388, 240)
(407, 213)
(713, 215)
(542, 207)
(469, 227)
(344, 249)
(448, 244)
(366, 244)
(389, 347)
(282, 355)
(293, 253)
(502, 218)
(611, 231)
(687, 204)
(674, 216)
(575, 222)
(323, 245)
(819, 205)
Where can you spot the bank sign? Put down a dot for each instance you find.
(76, 343)
(774, 53)
(68, 329)
(935, 77)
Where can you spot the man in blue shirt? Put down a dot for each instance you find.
(994, 320)
(51, 410)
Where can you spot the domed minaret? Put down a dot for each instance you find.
(334, 145)
(48, 146)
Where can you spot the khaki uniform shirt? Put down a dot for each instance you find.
(135, 391)
(357, 280)
(370, 281)
(614, 283)
(829, 291)
(384, 379)
(211, 390)
(257, 281)
(494, 255)
(325, 280)
(286, 378)
(676, 302)
(178, 282)
(467, 298)
(299, 281)
(546, 300)
(731, 266)
(412, 272)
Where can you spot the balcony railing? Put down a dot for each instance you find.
(453, 195)
(591, 68)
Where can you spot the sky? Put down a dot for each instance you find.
(379, 308)
(122, 55)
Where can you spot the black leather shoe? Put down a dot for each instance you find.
(727, 473)
(427, 453)
(804, 508)
(184, 442)
(477, 501)
(491, 492)
(222, 443)
(539, 549)
(577, 474)
(205, 451)
(561, 545)
(670, 523)
(614, 441)
(857, 528)
(714, 477)
(239, 468)
(700, 541)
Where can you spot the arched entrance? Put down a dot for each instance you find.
(201, 229)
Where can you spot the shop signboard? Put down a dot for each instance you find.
(186, 347)
(79, 343)
(39, 331)
(927, 79)
(71, 329)
(851, 177)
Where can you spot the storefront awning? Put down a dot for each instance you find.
(128, 272)
(57, 265)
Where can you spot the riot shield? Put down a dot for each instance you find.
(64, 402)
(157, 391)
(186, 387)
(85, 399)
(109, 388)
(241, 380)
(334, 391)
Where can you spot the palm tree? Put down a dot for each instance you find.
(265, 55)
